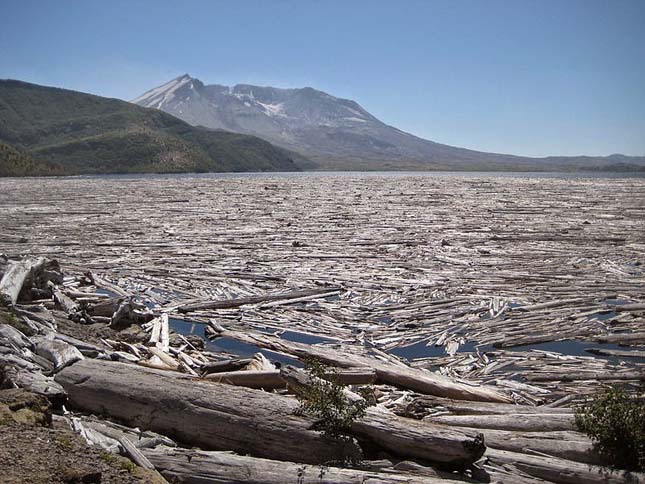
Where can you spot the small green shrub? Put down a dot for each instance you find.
(616, 424)
(325, 400)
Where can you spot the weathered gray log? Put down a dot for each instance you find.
(135, 454)
(215, 416)
(616, 353)
(272, 379)
(523, 422)
(563, 444)
(34, 381)
(84, 347)
(63, 301)
(584, 375)
(38, 314)
(629, 307)
(58, 352)
(104, 308)
(421, 405)
(209, 415)
(634, 338)
(401, 436)
(15, 277)
(267, 379)
(562, 471)
(399, 375)
(225, 365)
(419, 439)
(242, 301)
(192, 466)
(12, 336)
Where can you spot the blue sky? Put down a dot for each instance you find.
(530, 77)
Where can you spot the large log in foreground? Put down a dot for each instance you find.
(191, 466)
(224, 417)
(210, 415)
(399, 375)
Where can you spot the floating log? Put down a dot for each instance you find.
(616, 353)
(192, 466)
(635, 338)
(399, 375)
(600, 376)
(243, 301)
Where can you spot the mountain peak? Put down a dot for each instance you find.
(159, 96)
(323, 127)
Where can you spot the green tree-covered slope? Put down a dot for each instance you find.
(45, 130)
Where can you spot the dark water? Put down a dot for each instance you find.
(227, 345)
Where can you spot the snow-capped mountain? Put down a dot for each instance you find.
(334, 132)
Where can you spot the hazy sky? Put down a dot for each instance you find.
(532, 77)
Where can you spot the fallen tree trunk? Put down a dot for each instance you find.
(58, 352)
(576, 376)
(563, 471)
(267, 379)
(271, 379)
(523, 422)
(616, 353)
(14, 279)
(242, 301)
(401, 436)
(422, 381)
(192, 466)
(205, 414)
(422, 405)
(563, 444)
(214, 416)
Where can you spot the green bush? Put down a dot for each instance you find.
(325, 400)
(616, 424)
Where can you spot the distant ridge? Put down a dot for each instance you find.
(51, 131)
(338, 133)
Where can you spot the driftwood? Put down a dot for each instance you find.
(563, 444)
(244, 420)
(233, 364)
(237, 302)
(426, 405)
(270, 379)
(267, 379)
(405, 437)
(15, 277)
(399, 375)
(563, 471)
(58, 352)
(616, 353)
(34, 381)
(524, 422)
(191, 466)
(206, 414)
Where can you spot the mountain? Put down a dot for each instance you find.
(45, 130)
(337, 133)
